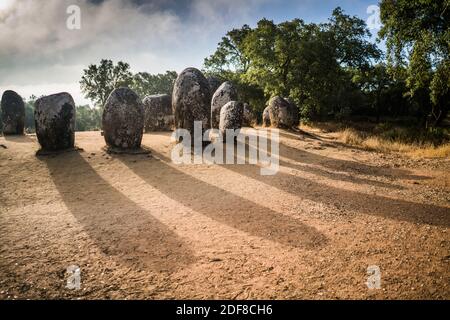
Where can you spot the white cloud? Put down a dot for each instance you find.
(26, 91)
(37, 50)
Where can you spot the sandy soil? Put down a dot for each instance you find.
(142, 227)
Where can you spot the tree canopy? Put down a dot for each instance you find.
(309, 63)
(417, 34)
(98, 81)
(145, 83)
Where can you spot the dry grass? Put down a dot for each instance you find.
(376, 143)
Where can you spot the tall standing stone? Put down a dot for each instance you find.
(13, 113)
(158, 113)
(123, 120)
(224, 94)
(54, 117)
(191, 100)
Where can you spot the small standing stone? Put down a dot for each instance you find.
(224, 94)
(231, 116)
(266, 117)
(123, 120)
(13, 113)
(283, 114)
(54, 118)
(158, 113)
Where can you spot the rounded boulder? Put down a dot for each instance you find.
(13, 113)
(54, 117)
(283, 114)
(224, 94)
(231, 116)
(123, 120)
(191, 100)
(158, 113)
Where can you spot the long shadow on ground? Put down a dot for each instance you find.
(119, 226)
(226, 207)
(352, 201)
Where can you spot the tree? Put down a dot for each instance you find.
(29, 113)
(374, 81)
(230, 63)
(147, 84)
(88, 119)
(417, 35)
(348, 40)
(311, 63)
(98, 81)
(229, 56)
(273, 51)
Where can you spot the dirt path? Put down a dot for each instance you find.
(143, 227)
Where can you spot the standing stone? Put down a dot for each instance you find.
(13, 113)
(283, 114)
(54, 118)
(266, 117)
(231, 116)
(191, 100)
(123, 120)
(249, 117)
(294, 112)
(214, 84)
(158, 113)
(224, 94)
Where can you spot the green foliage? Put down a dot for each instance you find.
(417, 34)
(145, 84)
(229, 55)
(229, 63)
(29, 114)
(88, 119)
(310, 63)
(98, 81)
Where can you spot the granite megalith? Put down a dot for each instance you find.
(13, 113)
(191, 100)
(231, 116)
(54, 117)
(282, 113)
(123, 120)
(158, 113)
(224, 94)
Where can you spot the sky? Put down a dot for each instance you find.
(41, 55)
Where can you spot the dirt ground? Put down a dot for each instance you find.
(142, 227)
